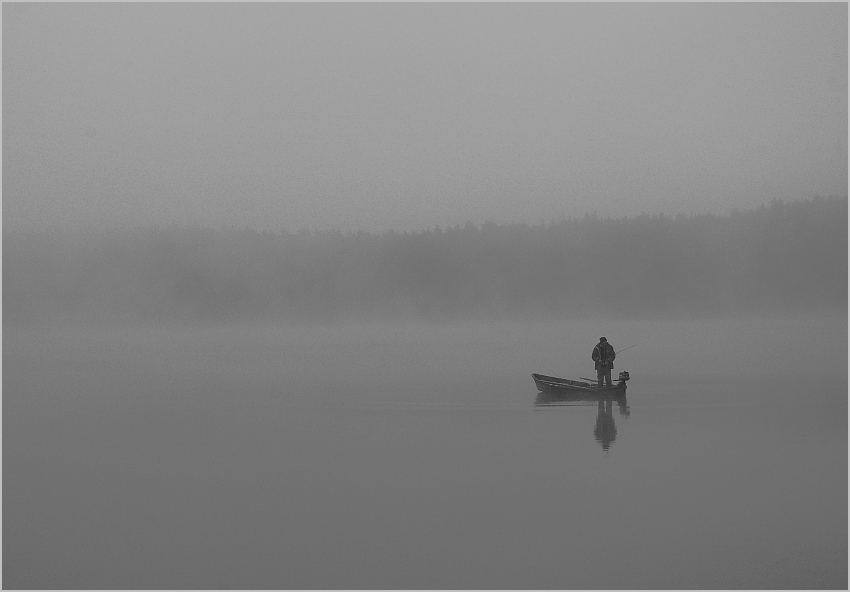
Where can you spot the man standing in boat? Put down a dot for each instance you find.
(603, 354)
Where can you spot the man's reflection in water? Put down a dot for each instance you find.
(605, 430)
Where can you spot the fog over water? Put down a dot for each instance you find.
(190, 408)
(204, 410)
(276, 278)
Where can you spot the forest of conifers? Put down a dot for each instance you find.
(784, 257)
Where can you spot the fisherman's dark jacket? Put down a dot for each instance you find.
(603, 354)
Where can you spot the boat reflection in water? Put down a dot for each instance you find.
(605, 432)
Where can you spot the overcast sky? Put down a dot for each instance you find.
(409, 116)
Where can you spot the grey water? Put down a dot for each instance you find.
(412, 455)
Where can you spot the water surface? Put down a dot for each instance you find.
(413, 456)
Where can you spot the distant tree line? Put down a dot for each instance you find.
(789, 257)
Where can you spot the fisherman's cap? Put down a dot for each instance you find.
(602, 339)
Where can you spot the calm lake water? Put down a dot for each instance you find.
(413, 456)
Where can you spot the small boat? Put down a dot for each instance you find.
(563, 388)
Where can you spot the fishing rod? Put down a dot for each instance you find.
(615, 353)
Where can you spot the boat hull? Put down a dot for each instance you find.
(567, 389)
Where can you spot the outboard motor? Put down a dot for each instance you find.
(623, 377)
